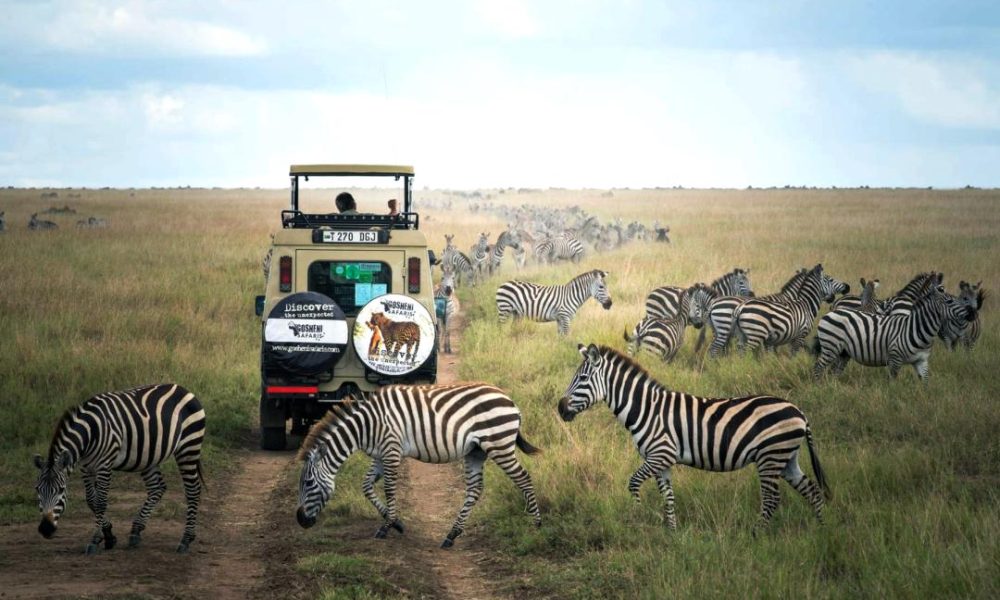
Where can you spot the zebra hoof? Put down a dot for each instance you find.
(447, 543)
(134, 540)
(382, 532)
(398, 526)
(92, 549)
(183, 548)
(110, 541)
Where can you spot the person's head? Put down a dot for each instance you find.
(392, 204)
(345, 202)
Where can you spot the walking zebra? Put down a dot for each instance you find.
(507, 238)
(866, 301)
(667, 301)
(132, 430)
(564, 246)
(431, 423)
(718, 310)
(444, 294)
(876, 340)
(714, 434)
(660, 337)
(546, 303)
(480, 256)
(770, 323)
(968, 333)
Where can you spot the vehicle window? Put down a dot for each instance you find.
(351, 284)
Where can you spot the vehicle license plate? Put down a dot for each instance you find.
(350, 237)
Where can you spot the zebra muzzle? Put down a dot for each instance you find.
(607, 305)
(47, 528)
(305, 521)
(564, 412)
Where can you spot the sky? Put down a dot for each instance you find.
(499, 93)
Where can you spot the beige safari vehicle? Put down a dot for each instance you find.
(348, 304)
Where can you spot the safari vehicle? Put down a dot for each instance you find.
(348, 304)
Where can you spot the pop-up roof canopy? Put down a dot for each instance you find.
(406, 220)
(352, 170)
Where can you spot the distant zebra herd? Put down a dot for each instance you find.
(36, 224)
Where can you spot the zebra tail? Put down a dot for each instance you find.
(817, 468)
(525, 446)
(201, 474)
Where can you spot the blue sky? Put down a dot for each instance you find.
(484, 93)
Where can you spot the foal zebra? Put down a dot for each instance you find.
(714, 434)
(770, 323)
(877, 340)
(445, 292)
(551, 302)
(480, 256)
(866, 301)
(132, 430)
(507, 238)
(431, 423)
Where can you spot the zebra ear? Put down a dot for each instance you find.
(593, 354)
(582, 350)
(39, 462)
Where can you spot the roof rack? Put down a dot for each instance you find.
(405, 220)
(294, 219)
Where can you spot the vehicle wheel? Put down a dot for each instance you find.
(272, 438)
(272, 425)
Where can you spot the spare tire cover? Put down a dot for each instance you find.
(305, 333)
(394, 334)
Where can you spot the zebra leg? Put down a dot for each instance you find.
(769, 472)
(562, 323)
(923, 369)
(155, 487)
(701, 339)
(646, 470)
(97, 484)
(667, 490)
(473, 490)
(793, 474)
(191, 476)
(390, 473)
(839, 364)
(373, 476)
(512, 467)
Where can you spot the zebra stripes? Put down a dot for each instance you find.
(667, 301)
(772, 323)
(480, 255)
(445, 292)
(132, 430)
(866, 301)
(968, 333)
(551, 302)
(660, 337)
(431, 423)
(893, 340)
(507, 238)
(460, 264)
(564, 246)
(714, 434)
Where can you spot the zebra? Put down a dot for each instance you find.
(445, 294)
(564, 246)
(770, 323)
(718, 311)
(431, 423)
(507, 238)
(661, 337)
(552, 302)
(968, 333)
(3, 221)
(894, 340)
(520, 257)
(667, 301)
(131, 430)
(831, 287)
(35, 223)
(902, 302)
(866, 301)
(713, 434)
(460, 264)
(480, 255)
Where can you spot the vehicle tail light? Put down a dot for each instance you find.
(279, 390)
(285, 274)
(413, 275)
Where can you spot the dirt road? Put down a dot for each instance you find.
(248, 541)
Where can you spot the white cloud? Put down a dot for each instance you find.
(144, 29)
(940, 90)
(510, 18)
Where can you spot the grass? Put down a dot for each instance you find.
(166, 294)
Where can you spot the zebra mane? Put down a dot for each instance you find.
(590, 274)
(916, 284)
(67, 417)
(609, 352)
(332, 416)
(796, 281)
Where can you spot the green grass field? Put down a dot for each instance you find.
(166, 294)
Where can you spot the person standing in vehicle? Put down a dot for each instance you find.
(346, 204)
(393, 210)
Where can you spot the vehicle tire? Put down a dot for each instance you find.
(272, 426)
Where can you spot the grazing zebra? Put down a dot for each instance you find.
(507, 238)
(132, 430)
(431, 423)
(968, 333)
(876, 340)
(761, 323)
(551, 302)
(661, 337)
(445, 294)
(35, 223)
(667, 301)
(480, 255)
(714, 434)
(718, 310)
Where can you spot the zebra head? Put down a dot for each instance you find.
(53, 476)
(968, 294)
(316, 485)
(698, 299)
(831, 287)
(588, 386)
(599, 290)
